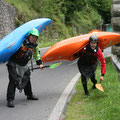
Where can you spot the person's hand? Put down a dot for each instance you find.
(41, 66)
(101, 79)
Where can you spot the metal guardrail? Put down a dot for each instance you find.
(116, 64)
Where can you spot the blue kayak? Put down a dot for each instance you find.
(12, 42)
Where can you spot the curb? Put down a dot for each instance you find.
(60, 106)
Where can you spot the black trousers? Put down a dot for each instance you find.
(14, 81)
(84, 82)
(87, 71)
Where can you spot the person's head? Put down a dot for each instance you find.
(33, 35)
(93, 41)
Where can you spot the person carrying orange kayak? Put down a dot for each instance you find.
(88, 61)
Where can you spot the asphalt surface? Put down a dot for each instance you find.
(48, 85)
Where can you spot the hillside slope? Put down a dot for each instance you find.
(69, 18)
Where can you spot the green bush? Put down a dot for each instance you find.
(86, 20)
(69, 18)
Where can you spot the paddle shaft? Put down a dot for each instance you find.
(39, 67)
(50, 66)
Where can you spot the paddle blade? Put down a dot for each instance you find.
(55, 65)
(99, 87)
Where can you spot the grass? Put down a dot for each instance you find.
(97, 106)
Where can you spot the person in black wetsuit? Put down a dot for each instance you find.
(88, 61)
(19, 72)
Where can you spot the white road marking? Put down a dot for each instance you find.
(44, 48)
(59, 107)
(73, 63)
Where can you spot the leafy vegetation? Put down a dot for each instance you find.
(99, 105)
(70, 17)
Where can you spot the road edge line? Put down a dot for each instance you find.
(59, 107)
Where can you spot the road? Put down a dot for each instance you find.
(47, 84)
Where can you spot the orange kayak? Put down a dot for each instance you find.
(65, 49)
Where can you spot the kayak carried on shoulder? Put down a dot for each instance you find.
(12, 42)
(66, 49)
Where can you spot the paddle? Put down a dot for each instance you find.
(99, 87)
(50, 66)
